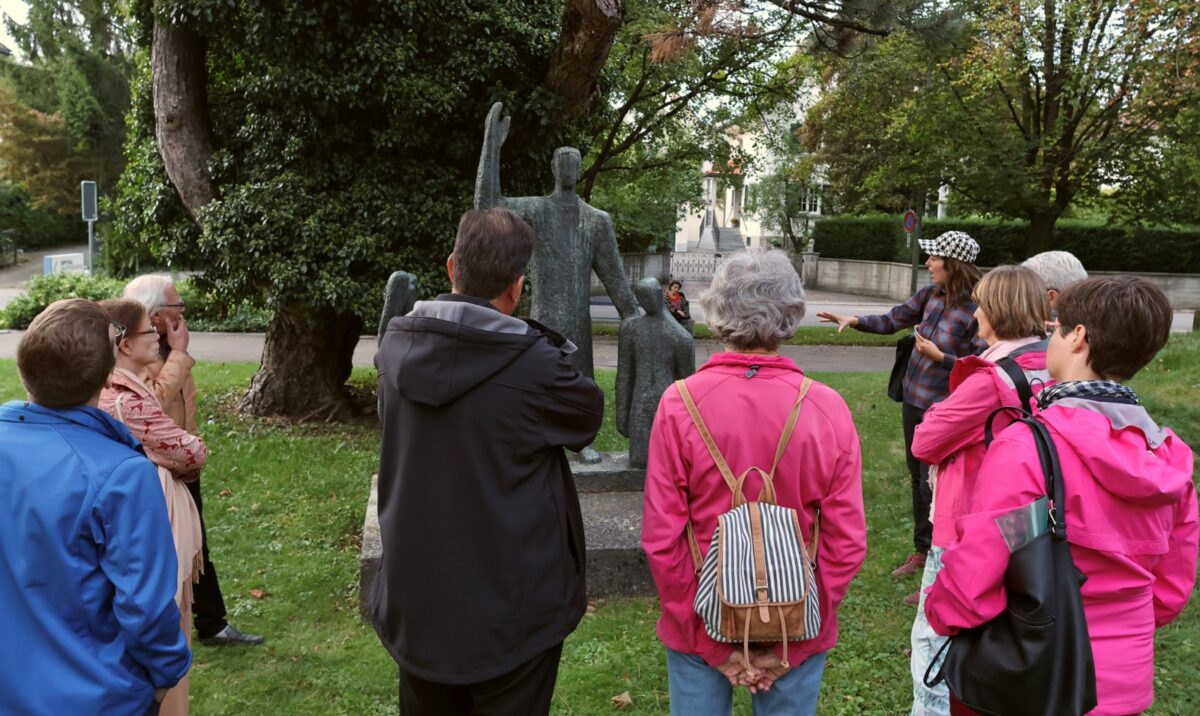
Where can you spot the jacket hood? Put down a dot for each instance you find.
(1127, 453)
(84, 416)
(444, 348)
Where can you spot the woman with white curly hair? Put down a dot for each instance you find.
(744, 396)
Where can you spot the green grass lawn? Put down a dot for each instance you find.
(284, 507)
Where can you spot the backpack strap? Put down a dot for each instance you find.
(706, 436)
(790, 426)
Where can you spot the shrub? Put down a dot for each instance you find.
(36, 228)
(203, 313)
(46, 289)
(1099, 247)
(207, 314)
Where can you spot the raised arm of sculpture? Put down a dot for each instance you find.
(606, 262)
(487, 178)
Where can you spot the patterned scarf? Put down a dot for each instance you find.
(1106, 390)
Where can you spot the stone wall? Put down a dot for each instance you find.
(892, 280)
(638, 267)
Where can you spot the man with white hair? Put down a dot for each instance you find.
(170, 378)
(1057, 269)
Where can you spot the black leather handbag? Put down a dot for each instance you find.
(1035, 658)
(904, 349)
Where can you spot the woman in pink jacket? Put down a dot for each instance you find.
(1013, 308)
(744, 396)
(1130, 501)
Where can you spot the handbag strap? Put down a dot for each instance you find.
(1052, 470)
(1020, 382)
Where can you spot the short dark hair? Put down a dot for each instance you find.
(1128, 320)
(491, 251)
(675, 283)
(66, 355)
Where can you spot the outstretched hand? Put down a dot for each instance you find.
(495, 129)
(843, 322)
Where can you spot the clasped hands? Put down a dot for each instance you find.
(759, 674)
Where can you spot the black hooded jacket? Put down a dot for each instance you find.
(483, 553)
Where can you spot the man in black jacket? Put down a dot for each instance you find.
(482, 575)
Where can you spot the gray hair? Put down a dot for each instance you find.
(756, 299)
(1057, 269)
(149, 290)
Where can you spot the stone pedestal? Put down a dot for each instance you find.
(610, 495)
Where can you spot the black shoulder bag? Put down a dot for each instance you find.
(1035, 658)
(904, 351)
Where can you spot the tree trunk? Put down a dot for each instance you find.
(181, 121)
(588, 30)
(1041, 229)
(305, 364)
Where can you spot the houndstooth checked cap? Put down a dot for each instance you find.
(953, 244)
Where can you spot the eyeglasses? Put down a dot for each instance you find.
(143, 333)
(121, 329)
(173, 305)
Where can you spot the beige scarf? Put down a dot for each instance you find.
(185, 524)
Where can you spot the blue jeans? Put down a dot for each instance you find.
(697, 689)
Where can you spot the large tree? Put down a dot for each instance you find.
(63, 105)
(1031, 109)
(299, 152)
(664, 114)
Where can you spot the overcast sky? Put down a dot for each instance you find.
(17, 9)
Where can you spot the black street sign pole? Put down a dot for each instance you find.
(87, 199)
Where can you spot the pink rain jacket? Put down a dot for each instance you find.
(951, 434)
(1132, 527)
(745, 410)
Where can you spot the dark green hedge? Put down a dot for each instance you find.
(1099, 247)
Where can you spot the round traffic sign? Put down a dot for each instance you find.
(910, 221)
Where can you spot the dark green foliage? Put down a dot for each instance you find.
(204, 313)
(63, 107)
(1099, 247)
(348, 138)
(46, 289)
(35, 228)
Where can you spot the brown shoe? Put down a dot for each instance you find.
(913, 599)
(914, 563)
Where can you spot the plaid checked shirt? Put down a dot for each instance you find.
(954, 330)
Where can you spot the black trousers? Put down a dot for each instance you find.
(922, 495)
(524, 691)
(208, 606)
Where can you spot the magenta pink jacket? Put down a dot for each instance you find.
(1132, 527)
(745, 410)
(951, 434)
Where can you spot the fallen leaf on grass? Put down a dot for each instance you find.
(225, 493)
(259, 593)
(623, 702)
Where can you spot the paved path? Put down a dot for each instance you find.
(11, 277)
(247, 348)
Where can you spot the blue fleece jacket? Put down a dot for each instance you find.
(88, 622)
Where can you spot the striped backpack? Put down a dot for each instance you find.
(757, 582)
